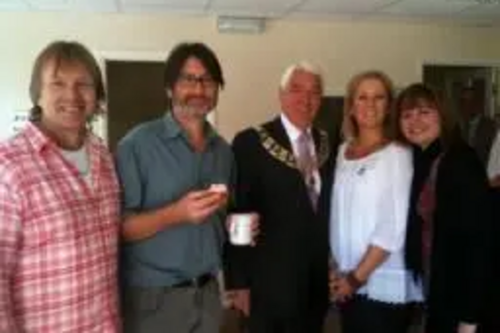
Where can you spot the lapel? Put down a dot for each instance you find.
(277, 131)
(319, 143)
(276, 142)
(483, 131)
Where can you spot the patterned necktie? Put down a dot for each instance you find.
(307, 165)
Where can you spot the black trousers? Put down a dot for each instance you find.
(362, 315)
(261, 321)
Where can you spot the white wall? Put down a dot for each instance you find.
(252, 63)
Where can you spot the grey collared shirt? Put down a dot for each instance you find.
(157, 166)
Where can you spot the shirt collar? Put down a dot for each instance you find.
(291, 130)
(172, 126)
(173, 129)
(40, 141)
(36, 137)
(475, 120)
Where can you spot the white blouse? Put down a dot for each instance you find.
(369, 206)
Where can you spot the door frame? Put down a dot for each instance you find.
(100, 127)
(494, 65)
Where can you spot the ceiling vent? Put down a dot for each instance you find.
(246, 25)
(486, 2)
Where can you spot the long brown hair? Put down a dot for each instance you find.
(59, 53)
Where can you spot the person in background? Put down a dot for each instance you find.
(478, 128)
(369, 204)
(493, 166)
(283, 175)
(446, 245)
(59, 205)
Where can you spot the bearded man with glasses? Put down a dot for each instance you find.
(175, 172)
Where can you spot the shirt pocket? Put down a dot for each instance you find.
(56, 213)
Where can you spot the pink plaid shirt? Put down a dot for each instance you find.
(58, 238)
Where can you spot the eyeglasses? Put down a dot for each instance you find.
(190, 81)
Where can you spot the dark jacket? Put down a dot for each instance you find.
(287, 270)
(460, 228)
(483, 138)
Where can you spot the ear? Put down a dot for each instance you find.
(168, 92)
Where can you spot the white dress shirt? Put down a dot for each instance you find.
(293, 135)
(369, 206)
(494, 158)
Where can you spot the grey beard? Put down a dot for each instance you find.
(191, 112)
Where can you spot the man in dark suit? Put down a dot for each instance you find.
(283, 175)
(479, 129)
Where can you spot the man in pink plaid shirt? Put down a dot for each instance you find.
(59, 206)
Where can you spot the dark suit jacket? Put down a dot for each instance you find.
(483, 138)
(287, 270)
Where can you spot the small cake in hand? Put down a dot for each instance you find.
(218, 188)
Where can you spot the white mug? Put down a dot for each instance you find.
(240, 229)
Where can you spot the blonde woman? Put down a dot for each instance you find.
(369, 214)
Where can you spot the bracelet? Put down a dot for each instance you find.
(353, 281)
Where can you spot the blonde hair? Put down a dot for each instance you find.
(349, 126)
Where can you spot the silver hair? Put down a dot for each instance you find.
(304, 66)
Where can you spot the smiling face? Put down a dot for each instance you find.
(68, 96)
(370, 104)
(195, 92)
(420, 124)
(301, 98)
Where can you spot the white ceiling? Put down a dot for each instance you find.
(481, 11)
